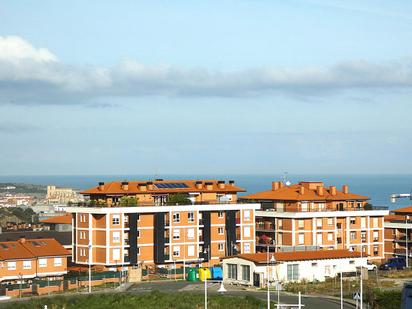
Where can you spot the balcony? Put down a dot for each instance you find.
(287, 208)
(265, 226)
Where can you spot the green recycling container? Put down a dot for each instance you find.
(192, 275)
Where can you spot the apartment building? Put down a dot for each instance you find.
(398, 226)
(32, 258)
(208, 225)
(313, 216)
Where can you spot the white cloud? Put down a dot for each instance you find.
(35, 75)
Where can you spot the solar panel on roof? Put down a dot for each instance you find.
(171, 185)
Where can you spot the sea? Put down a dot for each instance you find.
(377, 187)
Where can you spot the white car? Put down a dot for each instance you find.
(370, 266)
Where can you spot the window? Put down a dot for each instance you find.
(352, 235)
(116, 254)
(293, 272)
(176, 250)
(375, 222)
(191, 250)
(352, 220)
(176, 217)
(191, 233)
(314, 264)
(116, 237)
(232, 271)
(280, 223)
(138, 234)
(301, 224)
(220, 214)
(351, 262)
(220, 230)
(246, 231)
(363, 236)
(138, 250)
(301, 239)
(221, 246)
(58, 261)
(363, 222)
(245, 272)
(375, 250)
(138, 217)
(26, 264)
(375, 236)
(42, 262)
(82, 252)
(330, 236)
(11, 265)
(339, 240)
(116, 219)
(246, 247)
(330, 221)
(319, 222)
(319, 239)
(190, 217)
(176, 234)
(246, 215)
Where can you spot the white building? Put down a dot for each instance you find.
(253, 269)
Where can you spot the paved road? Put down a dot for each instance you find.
(182, 286)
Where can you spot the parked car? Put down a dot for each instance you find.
(370, 266)
(394, 263)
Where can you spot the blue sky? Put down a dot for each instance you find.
(129, 87)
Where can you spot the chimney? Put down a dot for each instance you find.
(301, 190)
(332, 190)
(281, 184)
(22, 240)
(345, 189)
(199, 185)
(221, 184)
(319, 190)
(142, 187)
(209, 185)
(275, 185)
(231, 182)
(159, 179)
(125, 185)
(149, 185)
(101, 186)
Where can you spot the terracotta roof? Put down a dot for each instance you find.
(407, 209)
(64, 238)
(115, 187)
(294, 193)
(391, 217)
(12, 250)
(261, 258)
(65, 219)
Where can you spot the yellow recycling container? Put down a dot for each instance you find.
(204, 273)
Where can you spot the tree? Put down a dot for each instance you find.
(127, 201)
(178, 199)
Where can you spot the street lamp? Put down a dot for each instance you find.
(361, 277)
(271, 260)
(205, 252)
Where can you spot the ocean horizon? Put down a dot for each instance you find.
(377, 187)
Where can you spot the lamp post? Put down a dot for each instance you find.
(90, 268)
(206, 252)
(271, 260)
(341, 290)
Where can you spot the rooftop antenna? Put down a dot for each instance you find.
(285, 179)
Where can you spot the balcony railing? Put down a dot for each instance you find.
(149, 204)
(316, 209)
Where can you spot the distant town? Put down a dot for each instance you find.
(120, 234)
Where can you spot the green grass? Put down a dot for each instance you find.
(154, 299)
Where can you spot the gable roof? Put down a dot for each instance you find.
(294, 193)
(261, 258)
(64, 238)
(115, 187)
(27, 249)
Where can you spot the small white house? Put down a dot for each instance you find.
(253, 269)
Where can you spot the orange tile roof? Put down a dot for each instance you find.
(293, 193)
(65, 219)
(391, 217)
(31, 248)
(115, 187)
(261, 258)
(407, 209)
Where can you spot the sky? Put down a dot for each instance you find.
(208, 87)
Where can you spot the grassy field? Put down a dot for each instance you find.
(152, 300)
